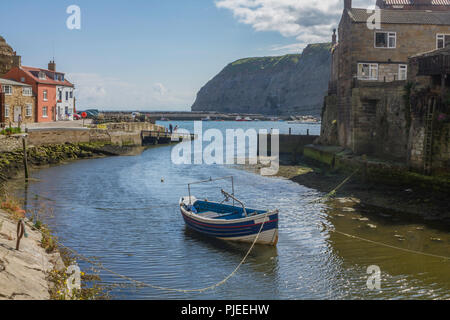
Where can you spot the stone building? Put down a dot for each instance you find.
(429, 96)
(17, 102)
(366, 110)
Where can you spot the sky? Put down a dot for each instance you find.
(157, 54)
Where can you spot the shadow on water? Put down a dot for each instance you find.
(262, 258)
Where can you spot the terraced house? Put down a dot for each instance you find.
(54, 94)
(364, 109)
(17, 102)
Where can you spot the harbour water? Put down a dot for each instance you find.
(124, 212)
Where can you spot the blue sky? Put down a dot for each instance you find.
(155, 54)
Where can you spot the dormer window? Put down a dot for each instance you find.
(42, 75)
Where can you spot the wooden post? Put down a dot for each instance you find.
(25, 160)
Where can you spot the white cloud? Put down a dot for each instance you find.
(96, 91)
(308, 21)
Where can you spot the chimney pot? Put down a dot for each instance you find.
(52, 65)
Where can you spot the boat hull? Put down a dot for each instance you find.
(241, 230)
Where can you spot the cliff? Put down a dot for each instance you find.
(289, 84)
(6, 56)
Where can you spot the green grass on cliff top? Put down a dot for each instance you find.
(270, 62)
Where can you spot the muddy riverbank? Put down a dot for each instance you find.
(405, 202)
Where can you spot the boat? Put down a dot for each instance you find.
(208, 118)
(238, 118)
(229, 221)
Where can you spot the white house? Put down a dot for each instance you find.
(65, 97)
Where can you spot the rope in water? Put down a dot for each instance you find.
(387, 245)
(144, 284)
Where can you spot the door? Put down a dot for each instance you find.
(17, 113)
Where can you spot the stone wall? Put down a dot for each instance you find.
(133, 126)
(290, 146)
(328, 130)
(379, 125)
(10, 143)
(441, 150)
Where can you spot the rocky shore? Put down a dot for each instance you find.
(24, 272)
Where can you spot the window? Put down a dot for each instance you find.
(385, 39)
(44, 112)
(45, 93)
(67, 95)
(27, 91)
(6, 111)
(402, 72)
(60, 95)
(7, 90)
(42, 75)
(71, 94)
(367, 71)
(22, 79)
(442, 40)
(29, 110)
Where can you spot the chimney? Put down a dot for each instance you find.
(52, 65)
(333, 38)
(16, 60)
(347, 4)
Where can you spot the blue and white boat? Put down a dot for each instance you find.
(229, 222)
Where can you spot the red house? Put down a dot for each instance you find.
(44, 83)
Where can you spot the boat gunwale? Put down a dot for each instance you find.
(196, 216)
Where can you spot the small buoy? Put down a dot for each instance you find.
(162, 179)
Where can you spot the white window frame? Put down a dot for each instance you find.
(8, 92)
(44, 112)
(389, 35)
(27, 93)
(400, 68)
(441, 36)
(45, 95)
(29, 110)
(7, 111)
(42, 75)
(372, 66)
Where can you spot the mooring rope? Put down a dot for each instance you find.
(386, 245)
(144, 284)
